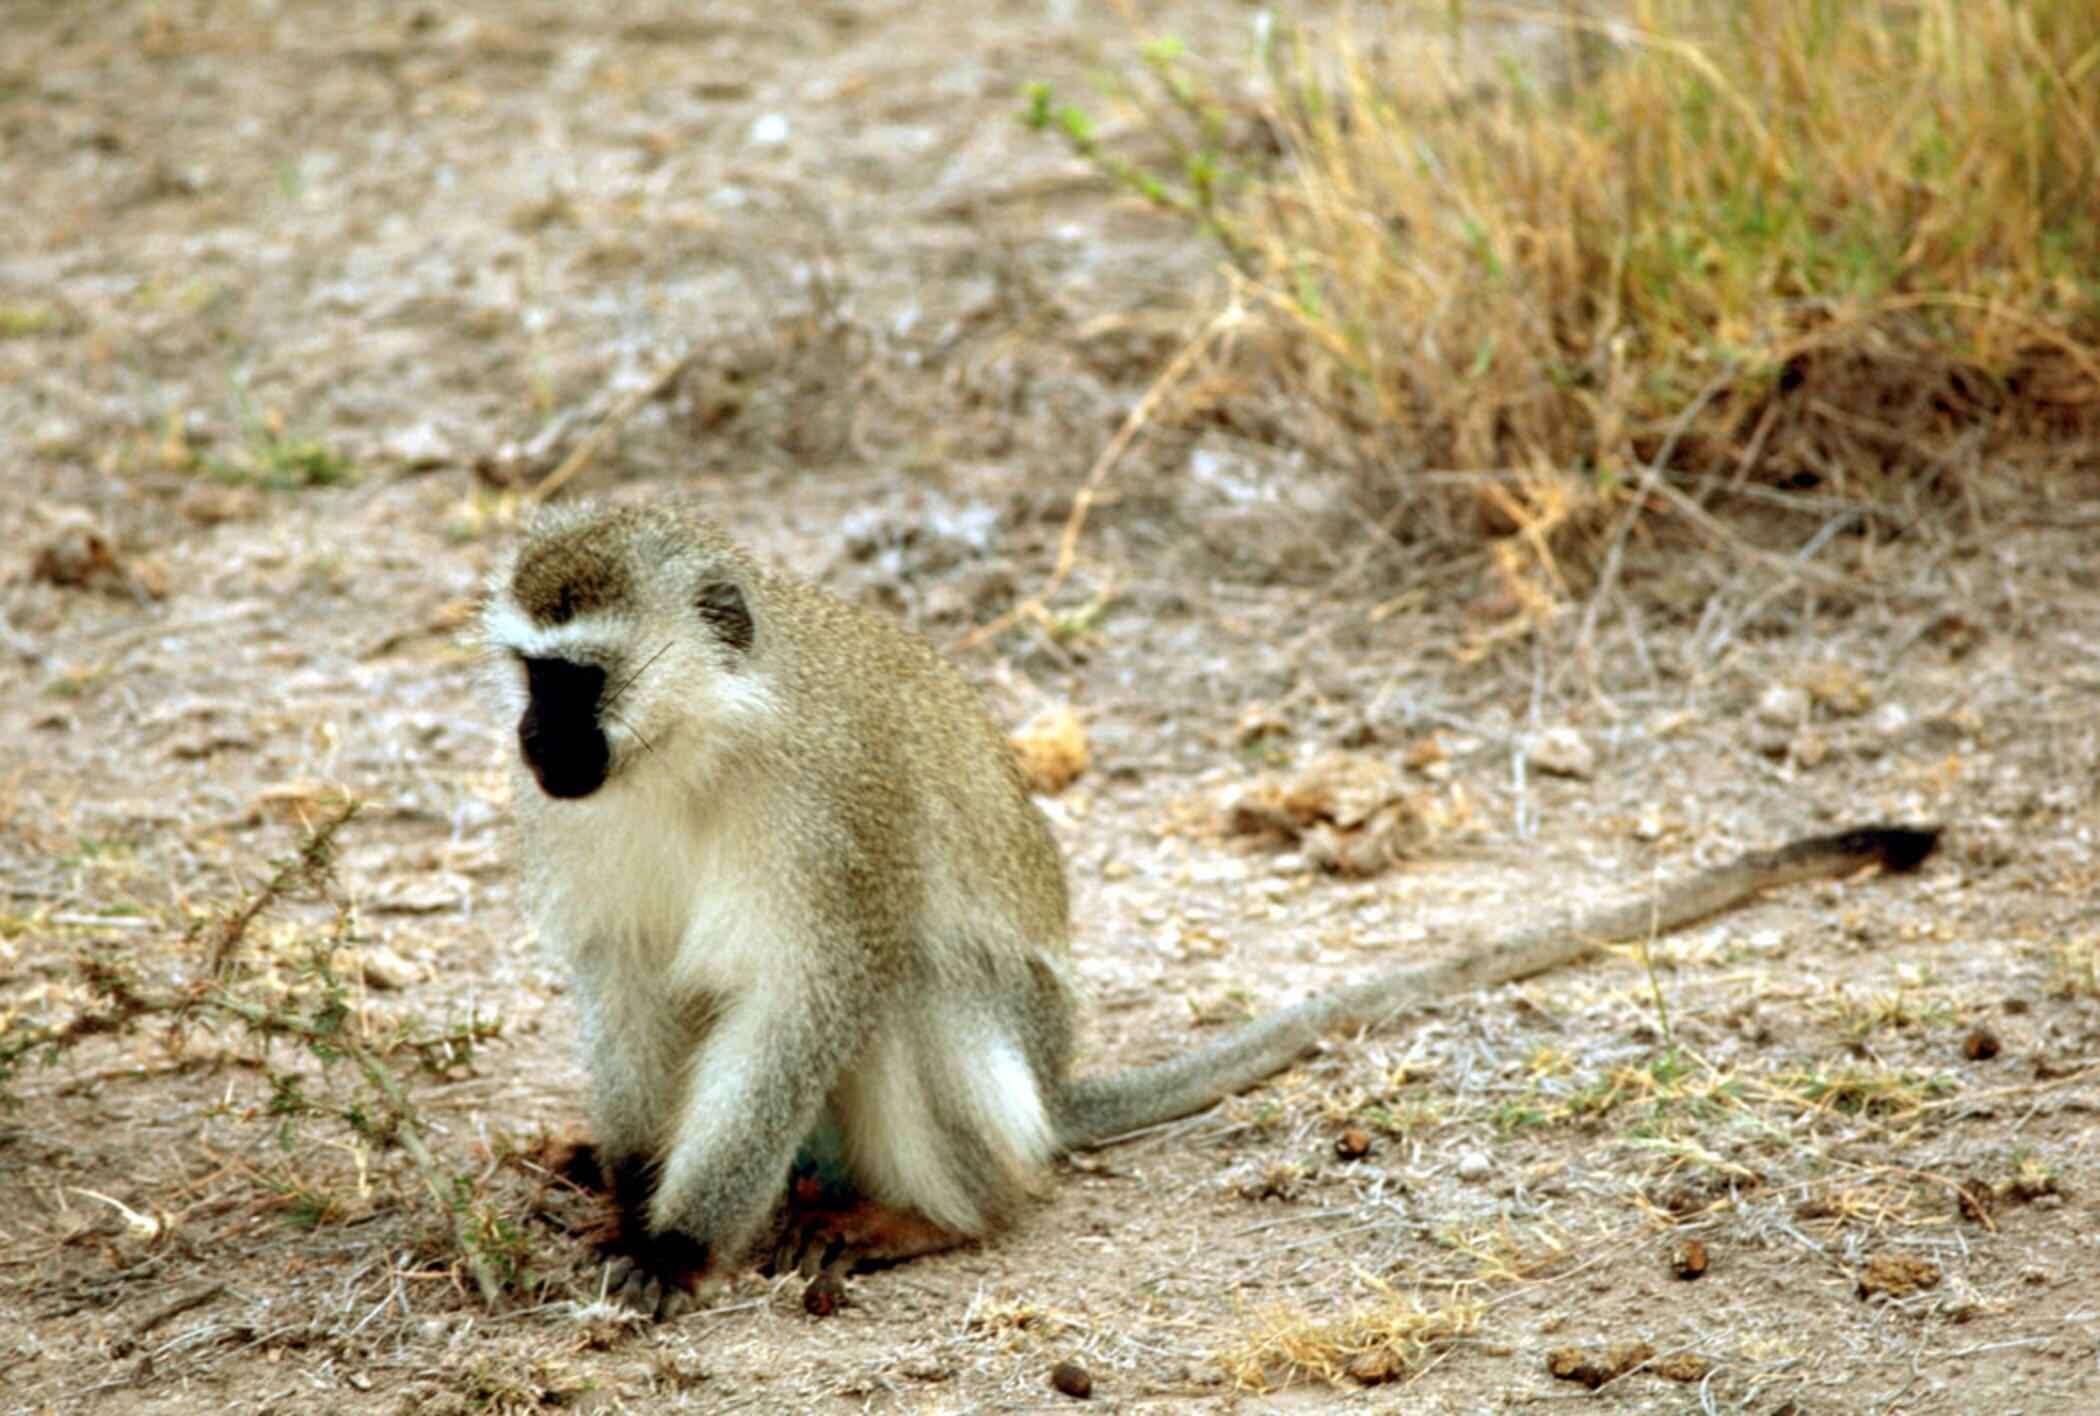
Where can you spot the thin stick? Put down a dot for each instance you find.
(178, 1307)
(1089, 491)
(1608, 580)
(310, 862)
(607, 427)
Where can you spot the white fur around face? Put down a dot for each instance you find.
(505, 626)
(671, 699)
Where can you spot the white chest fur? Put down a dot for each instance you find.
(638, 881)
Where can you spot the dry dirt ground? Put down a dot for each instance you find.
(434, 246)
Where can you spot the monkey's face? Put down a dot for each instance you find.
(629, 631)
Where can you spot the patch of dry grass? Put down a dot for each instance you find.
(1799, 242)
(1377, 1341)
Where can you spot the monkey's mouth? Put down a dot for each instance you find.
(558, 735)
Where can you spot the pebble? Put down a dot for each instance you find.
(1072, 1379)
(1562, 752)
(1783, 705)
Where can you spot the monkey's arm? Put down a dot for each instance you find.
(1099, 1108)
(752, 1091)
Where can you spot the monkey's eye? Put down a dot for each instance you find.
(723, 609)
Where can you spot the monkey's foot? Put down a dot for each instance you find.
(662, 1276)
(861, 1234)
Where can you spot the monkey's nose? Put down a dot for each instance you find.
(568, 755)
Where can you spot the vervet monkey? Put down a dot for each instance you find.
(817, 926)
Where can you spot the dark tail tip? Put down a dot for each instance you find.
(1895, 848)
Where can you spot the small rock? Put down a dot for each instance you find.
(1475, 1167)
(1783, 705)
(1280, 1181)
(1052, 749)
(1376, 1367)
(1593, 1367)
(1898, 1275)
(419, 447)
(209, 504)
(1684, 1367)
(1891, 720)
(769, 130)
(1259, 723)
(78, 556)
(1072, 1379)
(1962, 1303)
(1563, 752)
(381, 967)
(1842, 690)
(925, 1368)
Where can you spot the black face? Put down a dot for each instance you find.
(559, 734)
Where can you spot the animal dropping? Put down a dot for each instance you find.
(817, 926)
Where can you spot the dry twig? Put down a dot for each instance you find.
(1036, 606)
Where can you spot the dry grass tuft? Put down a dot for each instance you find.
(1796, 242)
(1868, 226)
(1375, 1342)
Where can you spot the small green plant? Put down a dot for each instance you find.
(1860, 1091)
(289, 987)
(275, 459)
(275, 462)
(1514, 1116)
(23, 321)
(501, 1245)
(1198, 175)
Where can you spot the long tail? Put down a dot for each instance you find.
(1100, 1108)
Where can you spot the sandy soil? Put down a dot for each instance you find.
(435, 247)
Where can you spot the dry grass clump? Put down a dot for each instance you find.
(1804, 242)
(1377, 1341)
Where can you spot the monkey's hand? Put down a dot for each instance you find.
(660, 1275)
(664, 1276)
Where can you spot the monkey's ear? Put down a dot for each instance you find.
(721, 604)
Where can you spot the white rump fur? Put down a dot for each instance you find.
(895, 1142)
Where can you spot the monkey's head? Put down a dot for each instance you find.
(625, 628)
